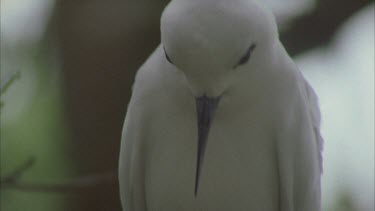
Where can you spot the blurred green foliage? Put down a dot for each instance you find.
(37, 130)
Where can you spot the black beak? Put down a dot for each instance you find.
(206, 108)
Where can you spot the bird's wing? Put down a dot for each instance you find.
(299, 144)
(131, 161)
(132, 155)
(130, 164)
(315, 118)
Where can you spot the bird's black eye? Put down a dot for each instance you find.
(245, 58)
(167, 57)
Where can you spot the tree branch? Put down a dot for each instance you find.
(11, 182)
(4, 86)
(17, 173)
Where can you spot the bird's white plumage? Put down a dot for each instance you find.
(264, 144)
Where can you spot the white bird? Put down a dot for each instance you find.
(220, 117)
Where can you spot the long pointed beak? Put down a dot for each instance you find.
(206, 108)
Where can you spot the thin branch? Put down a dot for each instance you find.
(11, 181)
(18, 172)
(72, 186)
(4, 87)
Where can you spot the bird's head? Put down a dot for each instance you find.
(212, 41)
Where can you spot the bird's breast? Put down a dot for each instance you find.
(240, 167)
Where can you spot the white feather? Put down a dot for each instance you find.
(264, 143)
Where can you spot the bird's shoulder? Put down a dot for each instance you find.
(286, 79)
(289, 79)
(299, 95)
(157, 80)
(159, 91)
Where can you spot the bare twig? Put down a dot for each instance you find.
(72, 186)
(11, 182)
(5, 85)
(17, 173)
(8, 82)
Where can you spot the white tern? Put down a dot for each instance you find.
(220, 117)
